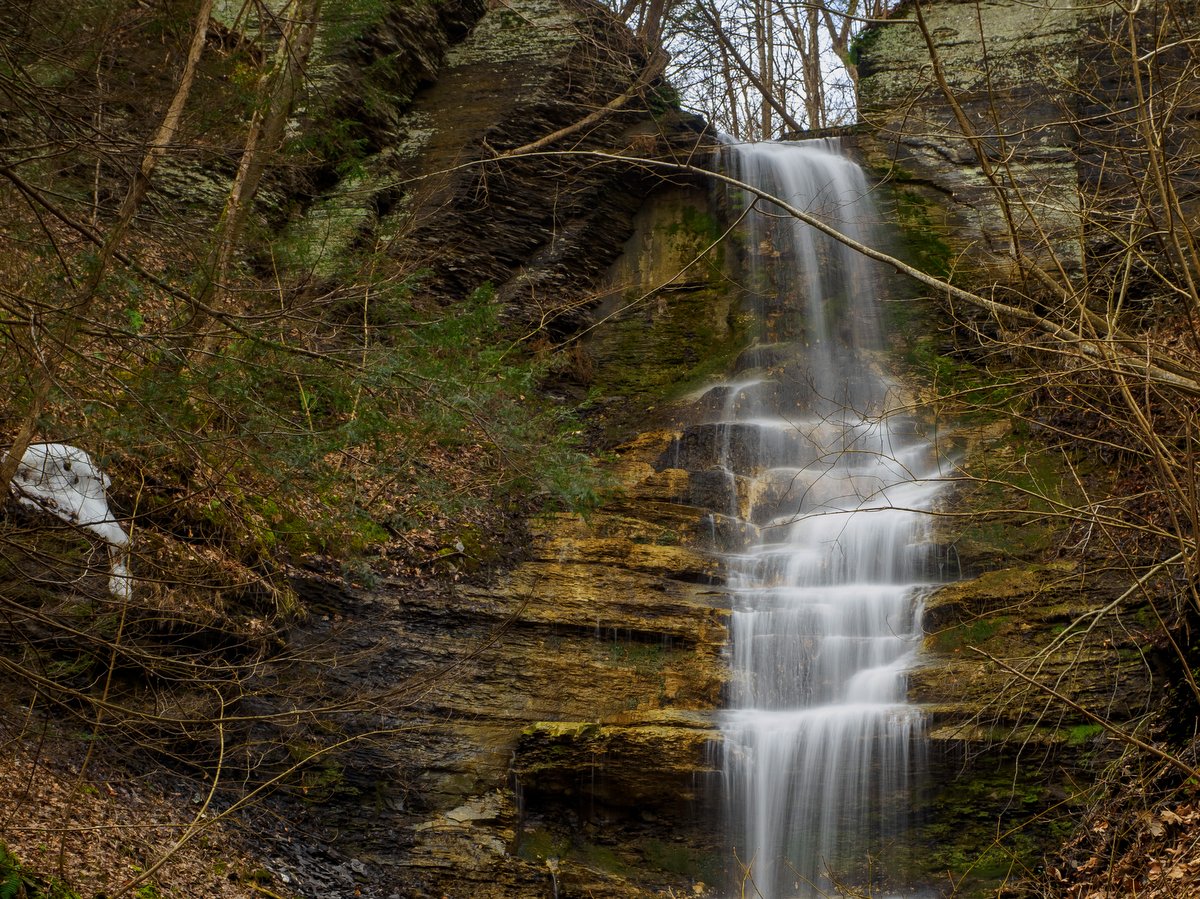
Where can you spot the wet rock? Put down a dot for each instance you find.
(615, 619)
(665, 762)
(1047, 622)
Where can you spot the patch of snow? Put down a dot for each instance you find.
(64, 481)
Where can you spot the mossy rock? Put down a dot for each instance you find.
(989, 823)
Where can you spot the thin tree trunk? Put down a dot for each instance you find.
(767, 94)
(81, 303)
(762, 17)
(278, 91)
(730, 92)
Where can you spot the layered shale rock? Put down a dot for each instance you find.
(559, 735)
(1011, 85)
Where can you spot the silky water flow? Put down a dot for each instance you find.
(826, 482)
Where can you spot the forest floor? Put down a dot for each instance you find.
(1142, 841)
(81, 813)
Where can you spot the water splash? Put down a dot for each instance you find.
(821, 746)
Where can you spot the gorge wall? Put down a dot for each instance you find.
(543, 731)
(563, 744)
(1016, 155)
(545, 689)
(592, 770)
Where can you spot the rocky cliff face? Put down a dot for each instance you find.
(1040, 603)
(565, 742)
(549, 730)
(544, 732)
(542, 231)
(570, 748)
(1010, 85)
(563, 745)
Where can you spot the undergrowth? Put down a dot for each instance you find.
(403, 424)
(18, 882)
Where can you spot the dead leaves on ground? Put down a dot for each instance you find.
(1160, 858)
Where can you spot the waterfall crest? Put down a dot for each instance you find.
(828, 482)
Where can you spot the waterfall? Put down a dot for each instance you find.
(829, 480)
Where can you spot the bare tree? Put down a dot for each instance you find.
(50, 348)
(759, 69)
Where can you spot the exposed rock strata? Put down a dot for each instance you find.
(1022, 83)
(564, 738)
(1010, 85)
(600, 693)
(540, 230)
(564, 733)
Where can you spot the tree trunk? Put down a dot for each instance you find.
(277, 91)
(76, 311)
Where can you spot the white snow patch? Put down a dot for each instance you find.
(64, 481)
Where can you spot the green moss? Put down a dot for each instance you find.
(147, 891)
(971, 633)
(667, 346)
(562, 730)
(1081, 734)
(987, 825)
(924, 240)
(604, 858)
(1022, 473)
(699, 224)
(981, 394)
(538, 845)
(1008, 540)
(646, 658)
(320, 776)
(680, 858)
(861, 44)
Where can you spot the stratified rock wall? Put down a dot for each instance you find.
(564, 743)
(1011, 86)
(597, 741)
(437, 194)
(1036, 605)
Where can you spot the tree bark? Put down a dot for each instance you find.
(81, 303)
(277, 90)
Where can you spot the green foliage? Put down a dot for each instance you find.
(17, 882)
(350, 19)
(338, 143)
(474, 386)
(277, 426)
(136, 321)
(662, 98)
(11, 879)
(147, 891)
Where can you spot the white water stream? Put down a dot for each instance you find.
(829, 481)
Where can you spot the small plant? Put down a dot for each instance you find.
(16, 882)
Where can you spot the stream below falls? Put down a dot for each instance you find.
(828, 481)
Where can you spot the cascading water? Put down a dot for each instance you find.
(827, 481)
